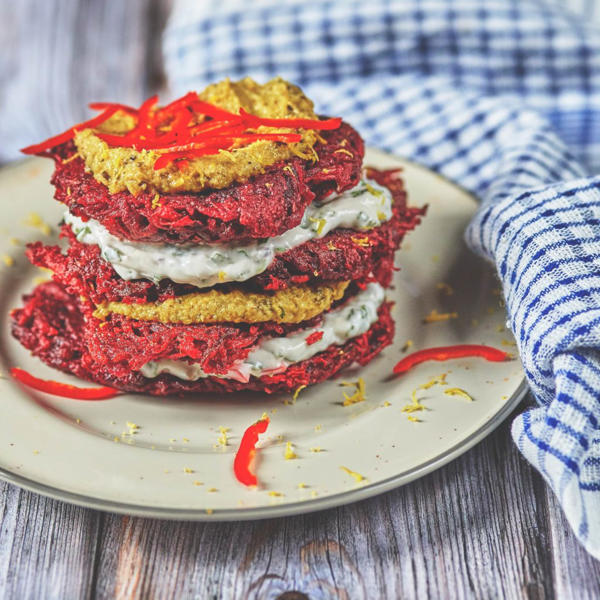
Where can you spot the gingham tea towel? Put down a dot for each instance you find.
(502, 96)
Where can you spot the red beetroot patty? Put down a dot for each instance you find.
(336, 257)
(52, 326)
(264, 206)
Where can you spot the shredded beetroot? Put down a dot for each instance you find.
(64, 390)
(245, 454)
(444, 353)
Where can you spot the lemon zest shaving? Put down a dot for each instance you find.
(353, 474)
(358, 395)
(434, 316)
(289, 453)
(458, 392)
(320, 223)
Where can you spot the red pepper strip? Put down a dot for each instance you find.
(254, 121)
(314, 337)
(210, 110)
(448, 353)
(64, 390)
(65, 136)
(183, 102)
(104, 105)
(225, 140)
(246, 451)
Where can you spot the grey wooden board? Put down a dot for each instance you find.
(485, 526)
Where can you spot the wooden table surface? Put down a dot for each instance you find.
(485, 526)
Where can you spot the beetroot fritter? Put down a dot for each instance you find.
(52, 326)
(264, 206)
(335, 257)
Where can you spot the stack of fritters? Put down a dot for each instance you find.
(260, 268)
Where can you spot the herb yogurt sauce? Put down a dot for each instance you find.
(274, 355)
(361, 208)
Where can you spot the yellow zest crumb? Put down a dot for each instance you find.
(435, 258)
(504, 398)
(221, 275)
(408, 344)
(297, 391)
(289, 453)
(132, 426)
(353, 474)
(116, 439)
(373, 191)
(209, 511)
(508, 343)
(186, 440)
(318, 427)
(36, 222)
(413, 419)
(386, 403)
(320, 224)
(222, 440)
(359, 393)
(415, 404)
(361, 241)
(198, 482)
(155, 202)
(381, 216)
(15, 241)
(331, 246)
(38, 280)
(500, 328)
(72, 157)
(9, 261)
(36, 451)
(458, 392)
(212, 490)
(434, 316)
(314, 494)
(343, 151)
(289, 169)
(275, 494)
(446, 288)
(301, 486)
(316, 449)
(77, 420)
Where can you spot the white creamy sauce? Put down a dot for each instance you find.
(274, 355)
(361, 208)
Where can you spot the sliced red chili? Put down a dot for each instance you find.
(314, 337)
(64, 390)
(256, 121)
(104, 105)
(245, 454)
(443, 353)
(65, 136)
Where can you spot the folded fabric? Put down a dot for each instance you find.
(487, 93)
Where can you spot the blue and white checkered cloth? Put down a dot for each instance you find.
(502, 96)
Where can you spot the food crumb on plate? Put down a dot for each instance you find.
(357, 476)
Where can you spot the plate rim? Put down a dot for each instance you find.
(306, 506)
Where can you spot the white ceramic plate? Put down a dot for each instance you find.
(174, 467)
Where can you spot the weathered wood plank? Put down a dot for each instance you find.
(47, 548)
(577, 574)
(472, 529)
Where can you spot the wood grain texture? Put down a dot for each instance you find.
(485, 526)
